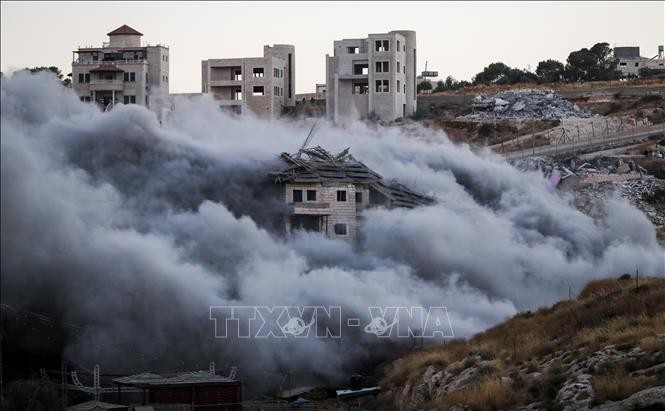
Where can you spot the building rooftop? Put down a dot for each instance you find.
(316, 165)
(96, 405)
(124, 29)
(189, 378)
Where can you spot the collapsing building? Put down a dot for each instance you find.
(327, 193)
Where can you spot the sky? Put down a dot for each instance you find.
(455, 38)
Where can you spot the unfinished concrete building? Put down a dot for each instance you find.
(327, 193)
(123, 71)
(263, 85)
(374, 76)
(630, 62)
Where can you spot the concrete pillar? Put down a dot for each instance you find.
(411, 69)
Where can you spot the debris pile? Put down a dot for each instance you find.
(591, 183)
(525, 103)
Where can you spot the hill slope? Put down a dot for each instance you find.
(605, 350)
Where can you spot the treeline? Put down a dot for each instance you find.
(595, 64)
(66, 81)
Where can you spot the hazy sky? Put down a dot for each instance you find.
(457, 38)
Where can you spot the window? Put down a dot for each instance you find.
(352, 50)
(257, 91)
(85, 98)
(398, 70)
(361, 68)
(275, 72)
(95, 57)
(382, 86)
(360, 88)
(404, 48)
(382, 67)
(404, 69)
(87, 78)
(311, 195)
(297, 196)
(81, 78)
(258, 71)
(275, 90)
(404, 88)
(238, 94)
(341, 195)
(398, 87)
(125, 99)
(397, 49)
(637, 64)
(167, 58)
(132, 77)
(340, 229)
(129, 99)
(125, 76)
(381, 45)
(359, 197)
(237, 75)
(623, 63)
(167, 78)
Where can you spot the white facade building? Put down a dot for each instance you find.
(263, 85)
(373, 76)
(123, 71)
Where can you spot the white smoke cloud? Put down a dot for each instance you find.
(134, 230)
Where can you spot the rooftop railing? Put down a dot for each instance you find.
(122, 61)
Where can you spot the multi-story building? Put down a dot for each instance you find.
(263, 85)
(123, 71)
(328, 193)
(630, 62)
(374, 76)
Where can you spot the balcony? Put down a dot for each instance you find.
(353, 76)
(225, 83)
(99, 62)
(310, 208)
(107, 84)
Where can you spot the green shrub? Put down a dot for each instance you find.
(485, 129)
(614, 107)
(650, 97)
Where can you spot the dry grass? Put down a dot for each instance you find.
(606, 312)
(615, 388)
(488, 395)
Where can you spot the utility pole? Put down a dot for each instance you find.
(637, 280)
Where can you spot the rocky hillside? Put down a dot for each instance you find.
(604, 350)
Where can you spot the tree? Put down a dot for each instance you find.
(595, 64)
(493, 73)
(67, 82)
(424, 85)
(649, 72)
(514, 76)
(440, 86)
(33, 395)
(550, 71)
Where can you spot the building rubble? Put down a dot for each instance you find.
(534, 103)
(593, 181)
